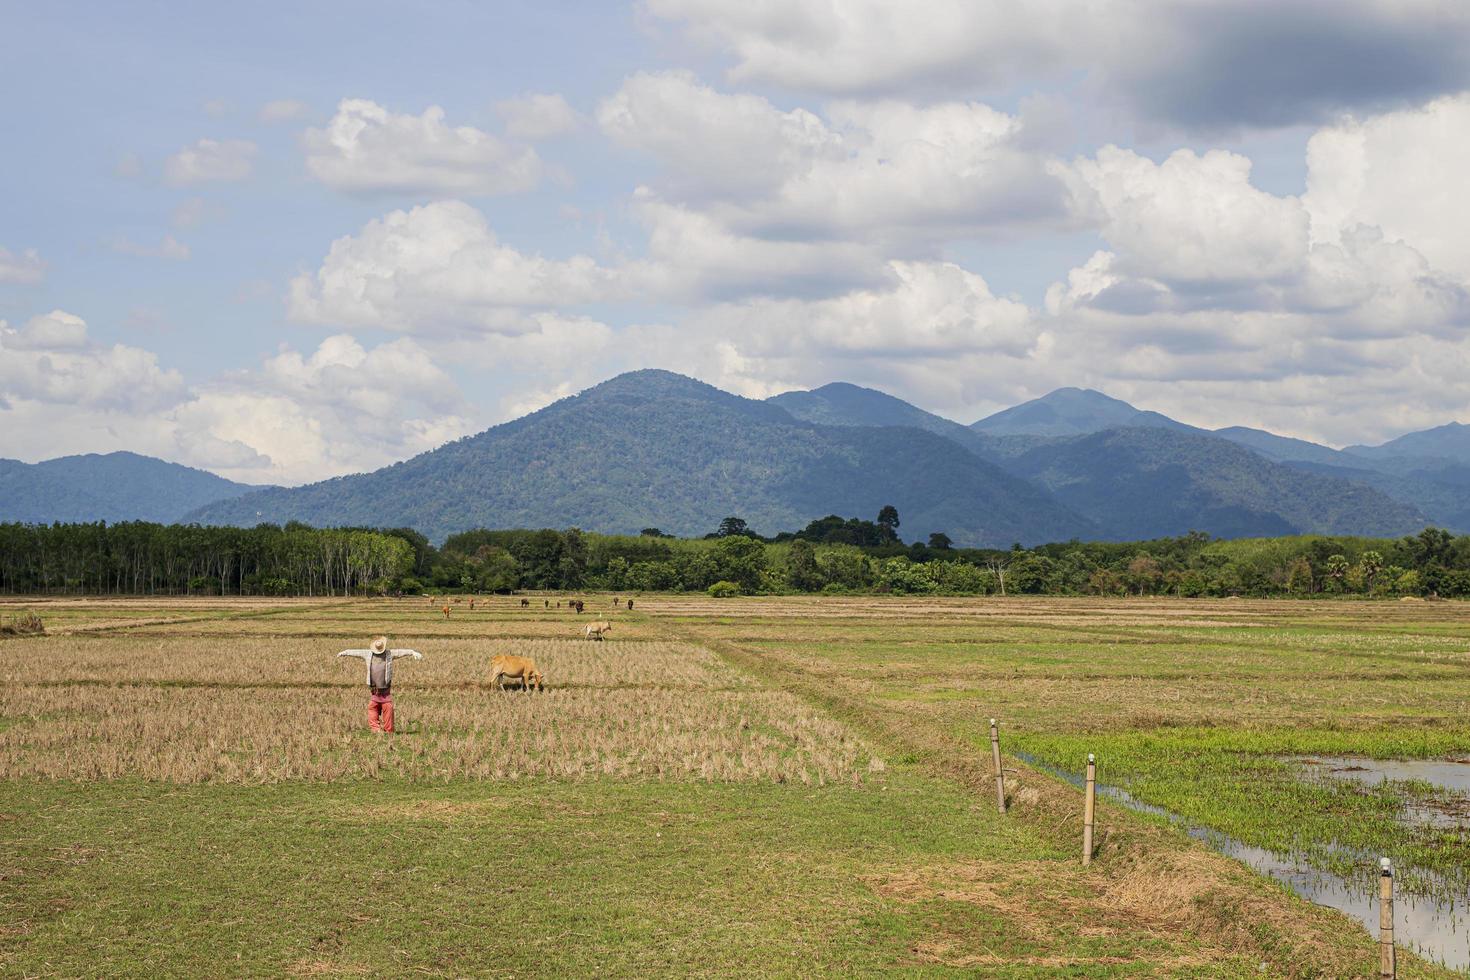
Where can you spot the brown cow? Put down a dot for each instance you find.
(525, 603)
(630, 605)
(523, 669)
(446, 612)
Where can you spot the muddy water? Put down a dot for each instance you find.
(1438, 931)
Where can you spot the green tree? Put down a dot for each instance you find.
(739, 559)
(1299, 577)
(940, 541)
(732, 526)
(1143, 573)
(888, 521)
(1369, 566)
(1337, 569)
(802, 572)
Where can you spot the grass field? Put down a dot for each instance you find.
(737, 787)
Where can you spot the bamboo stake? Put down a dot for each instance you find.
(1387, 967)
(1089, 807)
(1000, 778)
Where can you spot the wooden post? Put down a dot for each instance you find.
(1000, 777)
(1387, 967)
(1089, 807)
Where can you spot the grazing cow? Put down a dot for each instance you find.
(630, 605)
(594, 631)
(446, 611)
(546, 603)
(579, 605)
(525, 603)
(505, 667)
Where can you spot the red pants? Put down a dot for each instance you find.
(378, 705)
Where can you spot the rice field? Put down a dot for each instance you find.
(761, 786)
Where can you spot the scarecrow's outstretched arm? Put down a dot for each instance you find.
(355, 653)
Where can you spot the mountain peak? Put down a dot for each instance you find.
(1071, 412)
(1449, 441)
(653, 381)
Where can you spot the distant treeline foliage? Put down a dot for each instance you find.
(832, 555)
(174, 559)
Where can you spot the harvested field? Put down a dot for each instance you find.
(751, 786)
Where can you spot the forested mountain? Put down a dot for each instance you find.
(112, 487)
(1147, 475)
(651, 448)
(1438, 485)
(1071, 412)
(1448, 442)
(840, 403)
(1284, 449)
(1142, 482)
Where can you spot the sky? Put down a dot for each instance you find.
(288, 241)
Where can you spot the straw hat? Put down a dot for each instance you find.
(380, 645)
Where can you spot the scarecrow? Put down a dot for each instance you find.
(379, 661)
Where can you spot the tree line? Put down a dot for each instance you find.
(831, 555)
(142, 558)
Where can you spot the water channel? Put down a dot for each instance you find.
(1436, 930)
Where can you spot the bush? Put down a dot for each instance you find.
(724, 590)
(204, 585)
(24, 624)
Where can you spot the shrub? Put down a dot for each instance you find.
(26, 623)
(724, 590)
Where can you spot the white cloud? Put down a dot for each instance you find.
(933, 332)
(366, 149)
(1212, 284)
(538, 116)
(296, 417)
(169, 248)
(1193, 218)
(341, 409)
(1205, 63)
(906, 176)
(57, 330)
(694, 258)
(211, 160)
(23, 267)
(282, 110)
(439, 268)
(50, 360)
(1402, 172)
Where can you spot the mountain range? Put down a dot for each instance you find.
(651, 448)
(113, 487)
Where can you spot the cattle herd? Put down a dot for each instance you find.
(506, 667)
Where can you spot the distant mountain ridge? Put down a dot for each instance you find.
(1141, 482)
(112, 487)
(651, 448)
(1147, 475)
(655, 448)
(1070, 412)
(1450, 441)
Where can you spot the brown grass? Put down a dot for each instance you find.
(185, 710)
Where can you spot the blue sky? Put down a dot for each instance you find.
(288, 241)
